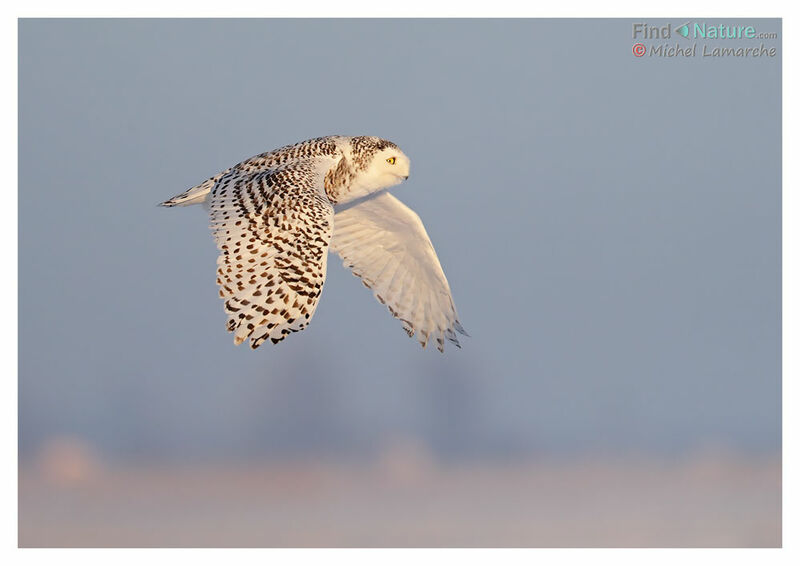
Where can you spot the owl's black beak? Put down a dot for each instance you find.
(405, 178)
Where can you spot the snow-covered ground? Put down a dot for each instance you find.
(404, 498)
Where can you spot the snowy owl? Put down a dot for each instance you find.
(275, 216)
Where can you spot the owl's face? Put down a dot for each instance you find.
(388, 167)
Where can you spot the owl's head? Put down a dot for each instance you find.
(378, 163)
(388, 166)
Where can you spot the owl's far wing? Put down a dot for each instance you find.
(273, 229)
(385, 244)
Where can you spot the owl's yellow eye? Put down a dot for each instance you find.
(391, 160)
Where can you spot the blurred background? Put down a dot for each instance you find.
(609, 225)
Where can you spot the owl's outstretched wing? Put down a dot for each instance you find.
(273, 229)
(385, 244)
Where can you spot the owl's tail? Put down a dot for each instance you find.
(196, 195)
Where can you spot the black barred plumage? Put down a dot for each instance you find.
(274, 222)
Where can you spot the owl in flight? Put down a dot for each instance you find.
(276, 215)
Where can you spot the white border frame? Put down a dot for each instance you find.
(408, 8)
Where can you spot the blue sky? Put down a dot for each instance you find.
(609, 225)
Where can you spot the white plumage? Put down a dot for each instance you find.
(276, 215)
(384, 242)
